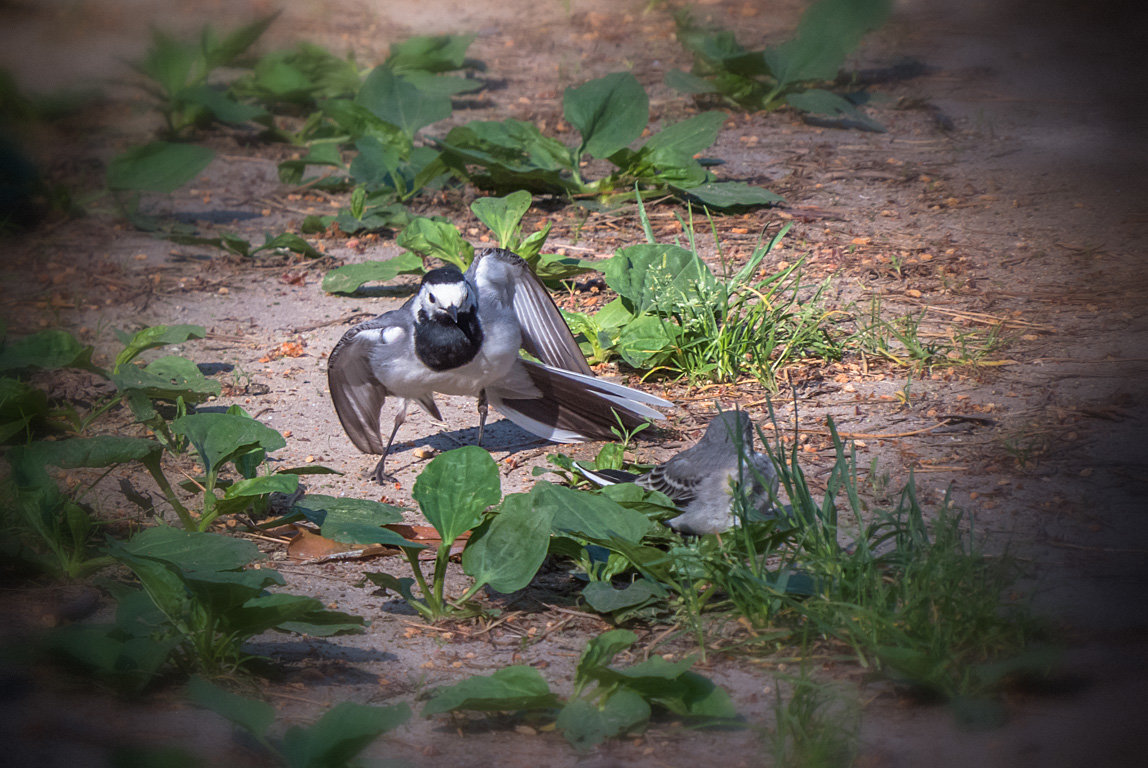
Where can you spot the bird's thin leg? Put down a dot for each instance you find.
(482, 409)
(381, 477)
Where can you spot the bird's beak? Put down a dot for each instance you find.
(453, 314)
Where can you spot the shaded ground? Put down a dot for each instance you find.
(1005, 194)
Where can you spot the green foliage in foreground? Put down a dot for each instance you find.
(333, 741)
(607, 700)
(788, 74)
(197, 603)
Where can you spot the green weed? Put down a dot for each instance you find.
(786, 74)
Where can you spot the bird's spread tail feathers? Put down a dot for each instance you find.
(573, 407)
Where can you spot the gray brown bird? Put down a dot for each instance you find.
(702, 479)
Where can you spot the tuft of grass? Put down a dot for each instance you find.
(815, 725)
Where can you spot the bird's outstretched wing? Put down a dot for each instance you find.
(544, 331)
(358, 394)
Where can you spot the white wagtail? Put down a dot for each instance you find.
(460, 335)
(702, 480)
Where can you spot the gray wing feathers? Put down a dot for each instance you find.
(545, 334)
(572, 407)
(358, 395)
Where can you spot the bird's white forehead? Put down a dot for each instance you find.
(448, 294)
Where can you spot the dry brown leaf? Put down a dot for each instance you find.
(309, 546)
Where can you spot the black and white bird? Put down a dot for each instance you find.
(702, 480)
(461, 335)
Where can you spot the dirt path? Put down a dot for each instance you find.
(1006, 192)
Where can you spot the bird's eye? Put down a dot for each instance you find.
(431, 297)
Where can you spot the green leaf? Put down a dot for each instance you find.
(551, 266)
(828, 31)
(157, 336)
(221, 106)
(47, 350)
(167, 378)
(158, 167)
(251, 715)
(28, 462)
(436, 239)
(193, 552)
(257, 486)
(238, 41)
(348, 279)
(289, 613)
(455, 489)
(289, 242)
(681, 141)
(502, 215)
(507, 553)
(644, 341)
(609, 112)
(656, 276)
(688, 83)
(359, 123)
(602, 597)
(354, 521)
(396, 100)
(340, 734)
(21, 406)
(509, 689)
(731, 194)
(430, 53)
(819, 102)
(514, 154)
(588, 514)
(220, 437)
(227, 241)
(586, 724)
(599, 652)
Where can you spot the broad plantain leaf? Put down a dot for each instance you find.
(506, 553)
(340, 734)
(47, 350)
(588, 514)
(158, 167)
(455, 489)
(587, 724)
(398, 101)
(251, 715)
(220, 437)
(509, 689)
(610, 112)
(731, 194)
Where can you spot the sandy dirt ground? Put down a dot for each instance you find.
(1007, 192)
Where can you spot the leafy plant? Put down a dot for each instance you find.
(787, 74)
(672, 313)
(237, 439)
(179, 70)
(609, 113)
(607, 701)
(244, 248)
(197, 605)
(439, 239)
(299, 78)
(453, 492)
(341, 733)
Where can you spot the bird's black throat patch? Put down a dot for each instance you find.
(443, 344)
